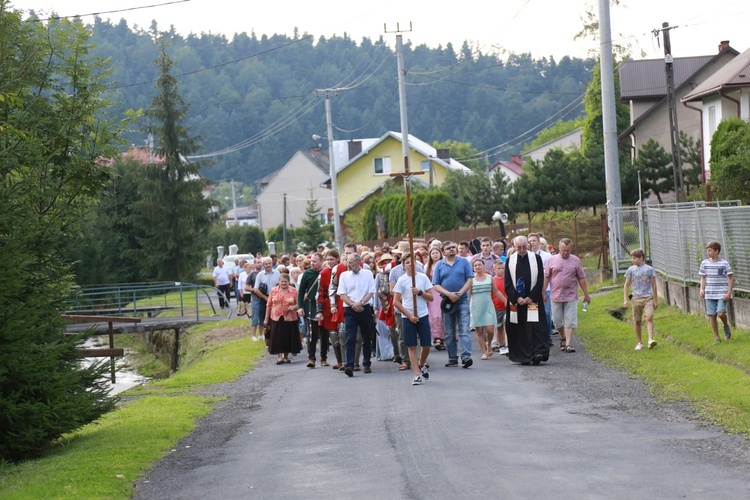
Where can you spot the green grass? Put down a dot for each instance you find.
(685, 365)
(105, 458)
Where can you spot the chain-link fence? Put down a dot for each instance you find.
(674, 237)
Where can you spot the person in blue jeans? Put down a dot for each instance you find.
(452, 279)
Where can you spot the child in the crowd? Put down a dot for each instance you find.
(644, 296)
(501, 344)
(717, 282)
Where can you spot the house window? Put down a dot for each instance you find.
(711, 120)
(382, 165)
(426, 166)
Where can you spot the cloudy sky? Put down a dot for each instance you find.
(541, 27)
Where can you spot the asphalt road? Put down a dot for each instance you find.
(570, 428)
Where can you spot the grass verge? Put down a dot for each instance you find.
(685, 365)
(105, 458)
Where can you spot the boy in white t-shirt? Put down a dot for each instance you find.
(717, 282)
(416, 326)
(644, 296)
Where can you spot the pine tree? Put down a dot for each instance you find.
(312, 232)
(171, 211)
(656, 170)
(53, 134)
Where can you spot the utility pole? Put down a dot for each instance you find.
(234, 204)
(284, 231)
(674, 131)
(332, 169)
(609, 119)
(407, 173)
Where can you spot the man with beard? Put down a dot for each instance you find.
(526, 323)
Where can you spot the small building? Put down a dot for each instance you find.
(242, 216)
(723, 95)
(512, 169)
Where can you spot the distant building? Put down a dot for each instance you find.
(243, 216)
(298, 179)
(643, 86)
(512, 169)
(571, 140)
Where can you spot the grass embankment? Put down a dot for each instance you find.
(685, 365)
(105, 458)
(179, 304)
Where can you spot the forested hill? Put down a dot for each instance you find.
(261, 91)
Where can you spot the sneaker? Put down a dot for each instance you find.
(467, 362)
(255, 339)
(651, 344)
(357, 368)
(503, 350)
(638, 346)
(417, 380)
(495, 346)
(727, 333)
(424, 371)
(717, 341)
(451, 363)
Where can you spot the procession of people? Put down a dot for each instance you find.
(397, 303)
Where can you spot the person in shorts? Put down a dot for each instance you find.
(642, 278)
(501, 343)
(717, 282)
(416, 324)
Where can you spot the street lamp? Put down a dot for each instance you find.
(502, 218)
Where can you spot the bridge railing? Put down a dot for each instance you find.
(146, 299)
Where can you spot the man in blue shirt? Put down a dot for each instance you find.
(452, 278)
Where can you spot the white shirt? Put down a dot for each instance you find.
(356, 286)
(241, 283)
(403, 286)
(222, 275)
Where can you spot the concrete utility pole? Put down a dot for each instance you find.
(674, 131)
(609, 118)
(283, 250)
(332, 171)
(234, 204)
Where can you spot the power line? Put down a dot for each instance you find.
(57, 18)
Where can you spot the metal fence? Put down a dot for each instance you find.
(678, 234)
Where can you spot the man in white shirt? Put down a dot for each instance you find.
(222, 281)
(416, 323)
(357, 290)
(536, 247)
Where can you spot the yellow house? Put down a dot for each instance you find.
(364, 166)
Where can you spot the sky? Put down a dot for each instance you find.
(541, 27)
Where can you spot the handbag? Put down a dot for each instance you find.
(241, 309)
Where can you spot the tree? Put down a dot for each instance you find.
(692, 162)
(311, 231)
(655, 165)
(730, 160)
(438, 211)
(172, 211)
(53, 134)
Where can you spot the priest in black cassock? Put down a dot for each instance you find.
(525, 320)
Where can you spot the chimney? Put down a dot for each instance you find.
(723, 45)
(517, 159)
(355, 147)
(444, 154)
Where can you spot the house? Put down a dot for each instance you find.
(291, 187)
(368, 163)
(723, 95)
(571, 140)
(512, 169)
(643, 87)
(242, 216)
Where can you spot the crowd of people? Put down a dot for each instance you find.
(392, 303)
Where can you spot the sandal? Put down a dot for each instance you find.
(404, 367)
(562, 345)
(484, 356)
(569, 349)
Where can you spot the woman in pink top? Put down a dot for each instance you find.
(281, 317)
(433, 307)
